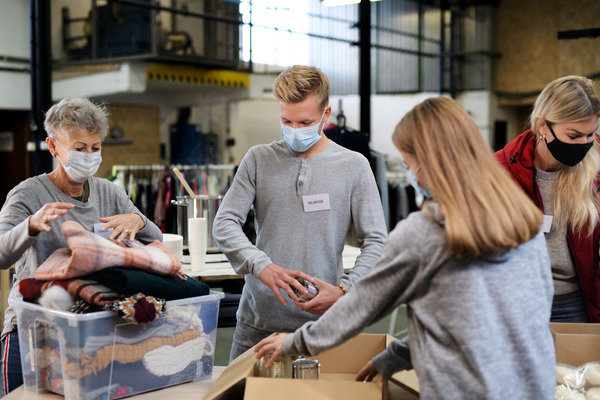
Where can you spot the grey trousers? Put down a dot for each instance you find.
(244, 338)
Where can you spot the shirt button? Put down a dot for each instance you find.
(301, 183)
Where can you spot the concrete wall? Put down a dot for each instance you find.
(14, 42)
(531, 55)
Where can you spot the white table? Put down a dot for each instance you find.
(185, 391)
(218, 268)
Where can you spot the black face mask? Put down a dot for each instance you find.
(567, 153)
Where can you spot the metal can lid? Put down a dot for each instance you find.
(305, 363)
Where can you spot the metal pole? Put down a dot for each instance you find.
(364, 24)
(41, 81)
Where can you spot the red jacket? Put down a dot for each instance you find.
(517, 157)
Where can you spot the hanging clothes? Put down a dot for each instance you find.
(352, 140)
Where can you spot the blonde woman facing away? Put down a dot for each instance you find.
(557, 164)
(471, 267)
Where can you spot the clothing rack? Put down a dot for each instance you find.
(152, 187)
(211, 179)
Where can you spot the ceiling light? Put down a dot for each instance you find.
(331, 3)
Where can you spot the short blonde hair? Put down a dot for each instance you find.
(574, 195)
(484, 210)
(77, 113)
(296, 83)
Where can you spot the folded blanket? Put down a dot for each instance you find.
(131, 281)
(89, 252)
(90, 291)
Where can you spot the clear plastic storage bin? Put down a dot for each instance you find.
(101, 356)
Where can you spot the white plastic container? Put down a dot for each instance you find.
(101, 356)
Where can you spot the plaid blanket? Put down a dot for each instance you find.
(89, 252)
(88, 290)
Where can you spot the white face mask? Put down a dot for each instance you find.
(301, 139)
(80, 165)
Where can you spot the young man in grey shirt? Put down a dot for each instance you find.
(307, 193)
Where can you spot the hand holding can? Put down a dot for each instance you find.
(312, 290)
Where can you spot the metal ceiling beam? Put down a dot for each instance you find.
(364, 70)
(41, 81)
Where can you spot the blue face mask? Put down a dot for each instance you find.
(412, 176)
(301, 139)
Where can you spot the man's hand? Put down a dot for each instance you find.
(278, 278)
(328, 294)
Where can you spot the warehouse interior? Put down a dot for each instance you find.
(189, 83)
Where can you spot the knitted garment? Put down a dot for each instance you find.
(138, 308)
(43, 357)
(89, 252)
(121, 353)
(88, 290)
(170, 360)
(83, 307)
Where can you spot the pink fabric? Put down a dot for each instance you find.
(89, 252)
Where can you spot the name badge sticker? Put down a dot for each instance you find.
(316, 202)
(547, 223)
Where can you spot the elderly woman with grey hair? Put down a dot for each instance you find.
(34, 211)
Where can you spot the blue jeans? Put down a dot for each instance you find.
(12, 374)
(569, 310)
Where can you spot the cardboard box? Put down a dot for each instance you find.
(339, 367)
(575, 343)
(100, 355)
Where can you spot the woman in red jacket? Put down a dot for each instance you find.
(557, 162)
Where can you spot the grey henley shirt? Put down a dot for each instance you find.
(275, 180)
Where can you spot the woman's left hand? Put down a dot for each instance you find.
(272, 343)
(125, 225)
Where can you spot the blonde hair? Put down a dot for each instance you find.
(484, 210)
(574, 196)
(77, 113)
(296, 83)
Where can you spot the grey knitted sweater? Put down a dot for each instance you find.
(275, 180)
(28, 252)
(477, 329)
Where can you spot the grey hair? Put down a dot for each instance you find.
(77, 113)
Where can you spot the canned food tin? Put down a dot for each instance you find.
(312, 290)
(306, 368)
(282, 368)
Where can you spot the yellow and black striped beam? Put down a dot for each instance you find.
(198, 76)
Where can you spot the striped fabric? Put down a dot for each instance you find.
(90, 291)
(89, 252)
(5, 353)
